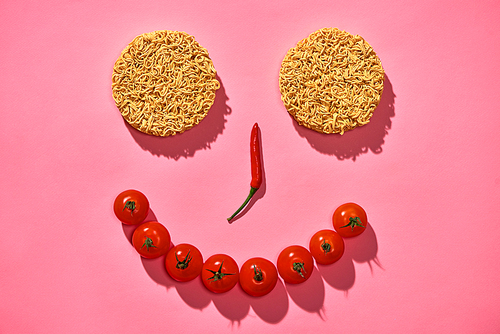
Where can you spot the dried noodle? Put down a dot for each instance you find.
(331, 81)
(164, 82)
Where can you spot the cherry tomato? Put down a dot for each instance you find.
(184, 262)
(349, 220)
(131, 207)
(151, 240)
(258, 276)
(326, 246)
(220, 273)
(295, 264)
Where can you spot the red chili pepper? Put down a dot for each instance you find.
(256, 166)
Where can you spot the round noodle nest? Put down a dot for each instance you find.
(331, 81)
(164, 82)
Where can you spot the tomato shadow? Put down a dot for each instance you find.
(194, 293)
(262, 189)
(273, 307)
(363, 248)
(233, 305)
(361, 140)
(339, 275)
(128, 230)
(186, 144)
(309, 295)
(155, 268)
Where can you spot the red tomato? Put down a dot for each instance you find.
(131, 207)
(258, 276)
(326, 246)
(349, 220)
(295, 264)
(220, 273)
(184, 262)
(151, 240)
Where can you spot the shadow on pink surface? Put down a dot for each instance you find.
(262, 189)
(363, 248)
(310, 295)
(129, 229)
(233, 305)
(200, 137)
(272, 308)
(352, 144)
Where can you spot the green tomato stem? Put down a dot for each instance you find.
(218, 275)
(184, 263)
(258, 273)
(131, 206)
(148, 243)
(353, 222)
(299, 268)
(326, 247)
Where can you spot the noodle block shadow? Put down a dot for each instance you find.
(361, 140)
(186, 144)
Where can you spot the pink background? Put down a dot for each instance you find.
(426, 169)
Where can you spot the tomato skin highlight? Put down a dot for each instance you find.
(131, 207)
(226, 266)
(183, 253)
(151, 240)
(347, 218)
(255, 158)
(326, 246)
(265, 270)
(290, 261)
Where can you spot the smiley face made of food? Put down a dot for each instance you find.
(330, 82)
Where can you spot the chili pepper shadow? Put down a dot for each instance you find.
(186, 144)
(262, 189)
(354, 143)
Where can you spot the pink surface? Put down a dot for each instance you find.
(426, 169)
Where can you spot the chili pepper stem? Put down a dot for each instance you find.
(252, 192)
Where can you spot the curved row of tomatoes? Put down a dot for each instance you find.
(220, 272)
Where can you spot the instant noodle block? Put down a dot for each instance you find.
(164, 82)
(331, 81)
